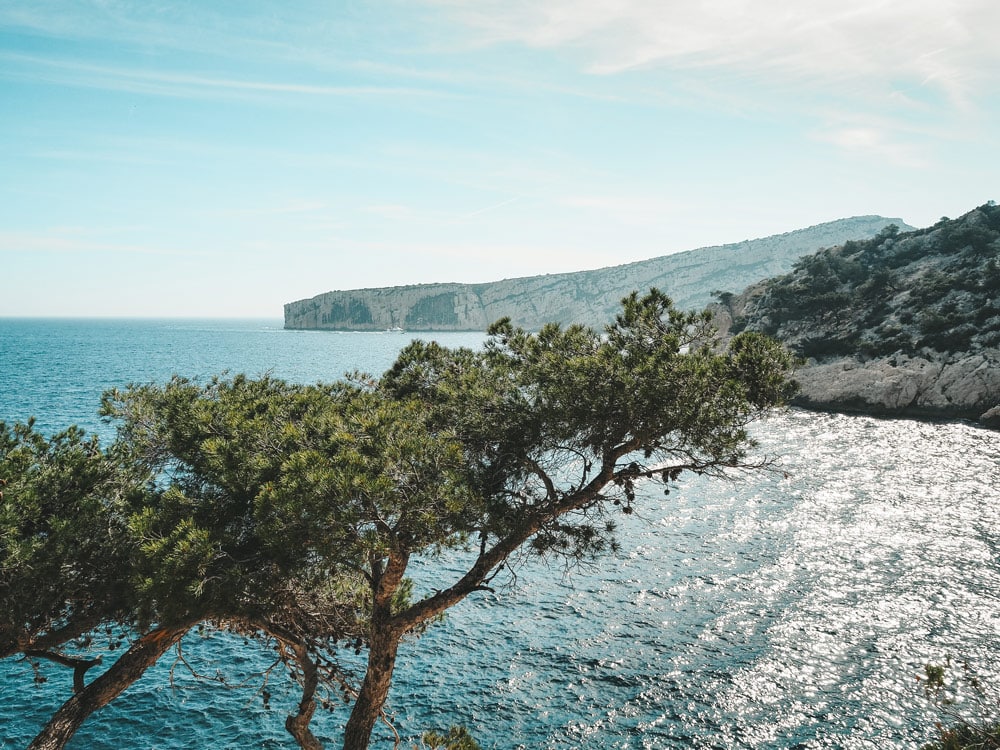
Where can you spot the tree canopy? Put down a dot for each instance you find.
(293, 512)
(62, 522)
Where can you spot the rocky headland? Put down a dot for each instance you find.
(906, 323)
(887, 320)
(588, 297)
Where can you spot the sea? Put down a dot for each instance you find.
(793, 609)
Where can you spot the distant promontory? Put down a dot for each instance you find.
(589, 297)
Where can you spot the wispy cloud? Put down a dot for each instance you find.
(197, 28)
(73, 241)
(896, 140)
(874, 142)
(947, 45)
(490, 208)
(69, 72)
(97, 156)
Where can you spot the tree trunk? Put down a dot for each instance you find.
(298, 724)
(129, 668)
(374, 688)
(383, 644)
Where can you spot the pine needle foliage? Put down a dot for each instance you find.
(291, 514)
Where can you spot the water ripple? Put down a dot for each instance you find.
(778, 612)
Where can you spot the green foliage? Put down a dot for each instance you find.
(724, 298)
(965, 737)
(930, 288)
(530, 407)
(63, 536)
(457, 738)
(961, 732)
(267, 487)
(853, 300)
(292, 512)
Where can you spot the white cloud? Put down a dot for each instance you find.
(946, 44)
(874, 142)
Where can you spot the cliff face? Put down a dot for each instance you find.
(900, 324)
(589, 297)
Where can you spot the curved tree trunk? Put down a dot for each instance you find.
(298, 724)
(129, 668)
(374, 690)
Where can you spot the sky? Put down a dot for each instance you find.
(219, 159)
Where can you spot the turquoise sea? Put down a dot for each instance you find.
(777, 611)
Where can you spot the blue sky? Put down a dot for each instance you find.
(221, 159)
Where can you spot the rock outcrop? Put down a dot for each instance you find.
(905, 324)
(958, 386)
(589, 297)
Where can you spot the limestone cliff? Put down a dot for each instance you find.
(589, 297)
(900, 324)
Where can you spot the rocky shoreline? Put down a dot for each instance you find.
(950, 387)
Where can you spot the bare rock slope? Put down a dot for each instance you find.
(589, 297)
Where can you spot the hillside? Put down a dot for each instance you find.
(901, 323)
(589, 297)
